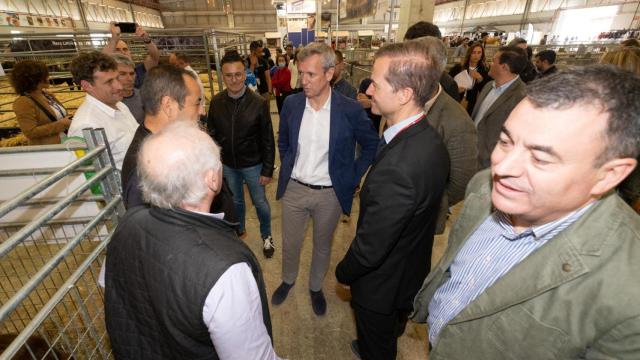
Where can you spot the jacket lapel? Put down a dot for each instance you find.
(335, 123)
(483, 94)
(407, 133)
(506, 95)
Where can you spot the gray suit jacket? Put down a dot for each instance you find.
(459, 135)
(491, 123)
(575, 297)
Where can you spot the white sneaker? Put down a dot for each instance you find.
(267, 248)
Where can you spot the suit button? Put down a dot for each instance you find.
(566, 267)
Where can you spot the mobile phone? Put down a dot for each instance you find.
(127, 27)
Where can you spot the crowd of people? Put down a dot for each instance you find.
(540, 263)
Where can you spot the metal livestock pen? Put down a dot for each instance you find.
(53, 237)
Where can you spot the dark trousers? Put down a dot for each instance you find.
(280, 101)
(378, 333)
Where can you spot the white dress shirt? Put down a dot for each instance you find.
(233, 315)
(119, 125)
(491, 97)
(312, 159)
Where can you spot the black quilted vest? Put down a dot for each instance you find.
(161, 265)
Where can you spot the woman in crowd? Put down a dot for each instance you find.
(281, 81)
(627, 58)
(293, 68)
(478, 71)
(41, 117)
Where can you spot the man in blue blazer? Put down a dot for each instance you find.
(319, 171)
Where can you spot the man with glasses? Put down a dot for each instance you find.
(241, 125)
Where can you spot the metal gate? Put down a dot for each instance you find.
(53, 236)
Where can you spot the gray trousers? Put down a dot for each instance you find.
(298, 204)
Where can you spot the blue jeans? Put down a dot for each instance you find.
(251, 176)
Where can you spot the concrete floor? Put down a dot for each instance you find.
(298, 332)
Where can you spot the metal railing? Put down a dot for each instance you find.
(205, 48)
(51, 303)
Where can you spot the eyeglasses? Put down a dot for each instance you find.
(232, 76)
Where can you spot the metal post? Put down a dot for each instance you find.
(216, 57)
(464, 14)
(83, 15)
(525, 16)
(338, 25)
(391, 8)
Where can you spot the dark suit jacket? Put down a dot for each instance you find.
(459, 135)
(391, 253)
(491, 123)
(349, 124)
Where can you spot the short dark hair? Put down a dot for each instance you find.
(411, 67)
(254, 45)
(547, 55)
(86, 64)
(607, 87)
(26, 75)
(514, 57)
(231, 57)
(339, 56)
(161, 81)
(180, 56)
(517, 41)
(422, 28)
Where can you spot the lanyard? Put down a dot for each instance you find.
(410, 125)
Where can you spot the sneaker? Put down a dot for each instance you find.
(281, 293)
(318, 302)
(355, 349)
(267, 247)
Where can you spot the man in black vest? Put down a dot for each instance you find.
(179, 283)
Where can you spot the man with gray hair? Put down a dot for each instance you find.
(542, 262)
(390, 255)
(130, 95)
(319, 129)
(177, 277)
(458, 133)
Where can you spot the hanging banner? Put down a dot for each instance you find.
(350, 9)
(301, 6)
(26, 20)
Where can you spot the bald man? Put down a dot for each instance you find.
(179, 283)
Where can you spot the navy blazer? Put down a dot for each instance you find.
(349, 124)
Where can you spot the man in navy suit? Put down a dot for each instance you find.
(319, 170)
(399, 202)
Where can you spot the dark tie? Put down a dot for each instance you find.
(381, 145)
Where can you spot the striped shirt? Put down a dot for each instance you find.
(491, 251)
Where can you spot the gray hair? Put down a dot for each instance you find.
(326, 53)
(435, 50)
(612, 90)
(411, 67)
(172, 164)
(121, 59)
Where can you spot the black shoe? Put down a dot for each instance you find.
(355, 349)
(281, 293)
(318, 303)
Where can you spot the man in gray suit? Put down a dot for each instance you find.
(498, 98)
(456, 129)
